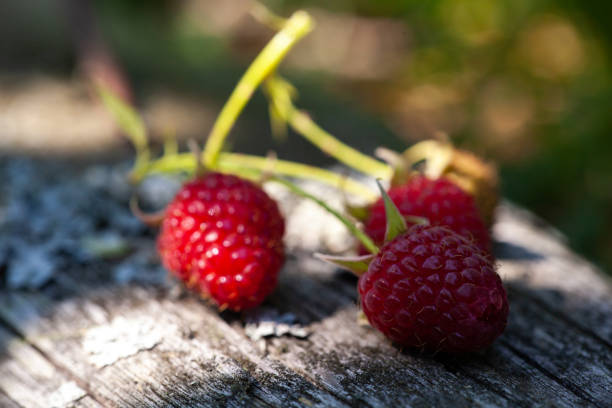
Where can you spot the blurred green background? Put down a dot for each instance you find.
(527, 84)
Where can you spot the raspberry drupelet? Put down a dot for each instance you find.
(432, 289)
(440, 201)
(222, 235)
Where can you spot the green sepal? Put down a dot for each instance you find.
(413, 219)
(395, 220)
(362, 319)
(359, 212)
(356, 264)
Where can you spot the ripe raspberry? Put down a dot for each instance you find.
(433, 289)
(222, 235)
(440, 201)
(470, 172)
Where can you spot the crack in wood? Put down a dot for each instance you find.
(557, 313)
(7, 402)
(552, 354)
(565, 384)
(77, 380)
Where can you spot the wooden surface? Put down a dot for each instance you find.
(93, 335)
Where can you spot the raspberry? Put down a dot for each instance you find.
(470, 172)
(476, 177)
(440, 201)
(222, 236)
(433, 289)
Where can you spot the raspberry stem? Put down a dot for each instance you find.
(279, 92)
(299, 170)
(296, 27)
(234, 162)
(360, 235)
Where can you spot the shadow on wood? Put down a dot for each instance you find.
(116, 332)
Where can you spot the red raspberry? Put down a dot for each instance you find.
(440, 201)
(433, 289)
(222, 235)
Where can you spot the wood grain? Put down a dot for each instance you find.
(89, 340)
(31, 380)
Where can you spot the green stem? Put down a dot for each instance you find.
(302, 123)
(280, 91)
(235, 163)
(296, 27)
(360, 235)
(299, 170)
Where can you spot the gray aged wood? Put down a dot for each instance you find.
(102, 331)
(6, 402)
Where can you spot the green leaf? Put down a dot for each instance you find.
(126, 117)
(356, 264)
(395, 221)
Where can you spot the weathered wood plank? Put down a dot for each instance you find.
(577, 362)
(85, 402)
(149, 344)
(6, 401)
(28, 377)
(181, 368)
(332, 316)
(535, 257)
(513, 380)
